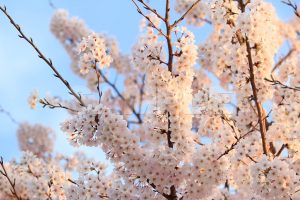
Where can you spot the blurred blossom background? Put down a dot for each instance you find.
(22, 71)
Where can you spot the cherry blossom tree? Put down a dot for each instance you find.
(167, 133)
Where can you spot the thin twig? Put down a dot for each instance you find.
(233, 127)
(8, 114)
(281, 150)
(11, 182)
(51, 4)
(142, 92)
(147, 7)
(138, 116)
(46, 103)
(206, 20)
(251, 158)
(234, 144)
(242, 137)
(185, 14)
(148, 18)
(282, 60)
(158, 59)
(155, 188)
(293, 6)
(41, 55)
(276, 82)
(73, 182)
(98, 84)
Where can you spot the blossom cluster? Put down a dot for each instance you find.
(33, 99)
(92, 51)
(192, 141)
(37, 139)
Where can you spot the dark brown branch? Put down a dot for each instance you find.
(98, 83)
(238, 139)
(155, 188)
(169, 36)
(281, 150)
(197, 142)
(206, 20)
(272, 148)
(142, 92)
(293, 6)
(232, 126)
(46, 103)
(172, 195)
(147, 7)
(260, 110)
(73, 182)
(185, 14)
(11, 182)
(41, 55)
(158, 59)
(276, 82)
(248, 156)
(138, 116)
(282, 60)
(152, 24)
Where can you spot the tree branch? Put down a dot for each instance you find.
(282, 60)
(142, 92)
(12, 183)
(293, 6)
(238, 139)
(172, 195)
(147, 7)
(152, 24)
(98, 83)
(185, 14)
(138, 116)
(169, 36)
(259, 108)
(8, 114)
(41, 55)
(46, 103)
(248, 156)
(281, 150)
(276, 82)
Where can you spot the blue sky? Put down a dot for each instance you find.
(22, 71)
